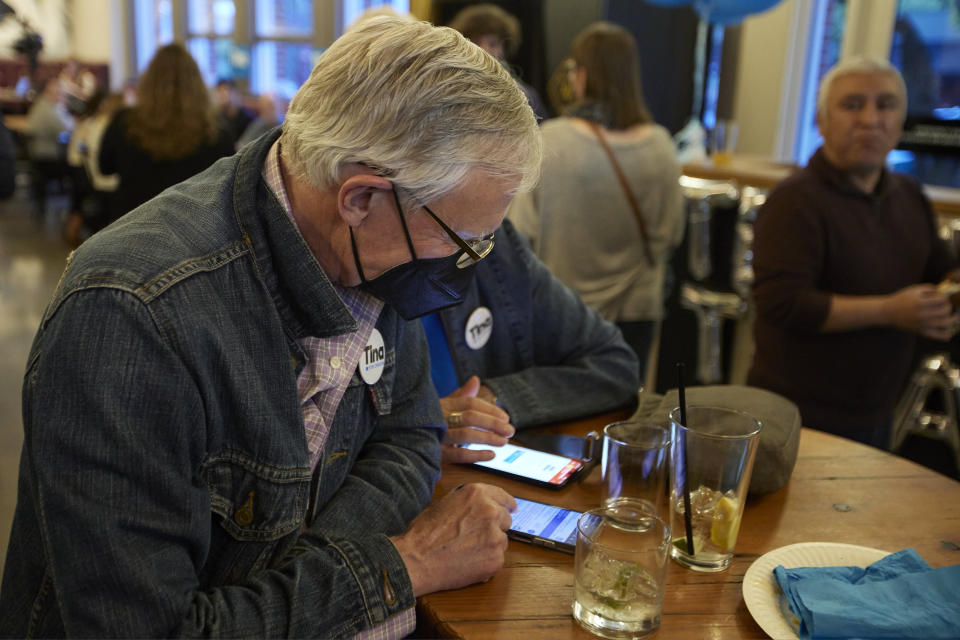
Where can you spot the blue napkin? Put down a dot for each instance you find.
(899, 596)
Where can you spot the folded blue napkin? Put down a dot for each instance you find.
(899, 596)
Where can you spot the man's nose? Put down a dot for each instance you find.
(869, 114)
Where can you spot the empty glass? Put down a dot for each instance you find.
(712, 457)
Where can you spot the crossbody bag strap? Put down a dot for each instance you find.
(627, 190)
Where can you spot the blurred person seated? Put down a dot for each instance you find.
(229, 425)
(170, 134)
(847, 257)
(268, 117)
(230, 107)
(498, 33)
(580, 219)
(8, 162)
(95, 210)
(81, 188)
(521, 351)
(47, 132)
(78, 85)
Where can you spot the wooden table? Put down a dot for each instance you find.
(840, 491)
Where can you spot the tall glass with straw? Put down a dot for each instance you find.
(712, 455)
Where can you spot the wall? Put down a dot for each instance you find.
(760, 75)
(91, 40)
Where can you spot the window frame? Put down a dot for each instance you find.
(244, 30)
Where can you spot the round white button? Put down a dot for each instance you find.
(372, 359)
(479, 328)
(335, 362)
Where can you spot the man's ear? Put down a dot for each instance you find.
(357, 195)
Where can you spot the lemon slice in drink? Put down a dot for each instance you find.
(726, 524)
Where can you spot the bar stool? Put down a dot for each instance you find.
(709, 295)
(912, 416)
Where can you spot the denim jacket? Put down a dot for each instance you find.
(165, 486)
(549, 357)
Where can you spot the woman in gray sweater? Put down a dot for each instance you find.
(580, 219)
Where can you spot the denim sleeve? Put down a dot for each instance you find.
(582, 364)
(115, 432)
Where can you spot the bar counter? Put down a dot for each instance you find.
(756, 171)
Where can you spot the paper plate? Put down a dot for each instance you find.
(762, 594)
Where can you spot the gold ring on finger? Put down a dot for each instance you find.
(455, 418)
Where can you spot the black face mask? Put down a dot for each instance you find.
(421, 286)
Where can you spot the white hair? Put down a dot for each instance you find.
(420, 103)
(859, 64)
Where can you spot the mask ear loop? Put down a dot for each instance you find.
(403, 222)
(356, 256)
(406, 232)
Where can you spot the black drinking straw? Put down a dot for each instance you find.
(687, 523)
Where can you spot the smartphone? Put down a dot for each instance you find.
(545, 525)
(543, 469)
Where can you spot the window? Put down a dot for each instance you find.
(273, 44)
(280, 67)
(284, 18)
(153, 29)
(210, 27)
(926, 49)
(283, 51)
(827, 40)
(353, 9)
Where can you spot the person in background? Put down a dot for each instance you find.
(580, 219)
(96, 211)
(230, 107)
(47, 130)
(268, 116)
(81, 188)
(230, 427)
(171, 133)
(846, 260)
(522, 350)
(498, 33)
(8, 162)
(77, 80)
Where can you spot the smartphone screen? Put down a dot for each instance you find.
(545, 525)
(545, 469)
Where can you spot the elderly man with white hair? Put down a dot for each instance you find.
(230, 428)
(847, 261)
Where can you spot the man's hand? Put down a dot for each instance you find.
(473, 416)
(922, 309)
(458, 540)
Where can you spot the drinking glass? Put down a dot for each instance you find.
(620, 572)
(634, 465)
(723, 140)
(711, 457)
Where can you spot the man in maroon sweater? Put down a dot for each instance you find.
(846, 259)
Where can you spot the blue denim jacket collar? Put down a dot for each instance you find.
(305, 302)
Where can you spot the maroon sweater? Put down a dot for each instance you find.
(818, 235)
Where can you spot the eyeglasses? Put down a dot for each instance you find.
(474, 250)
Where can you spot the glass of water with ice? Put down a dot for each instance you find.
(620, 572)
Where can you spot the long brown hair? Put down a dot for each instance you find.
(608, 53)
(174, 114)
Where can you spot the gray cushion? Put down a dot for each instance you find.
(779, 435)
